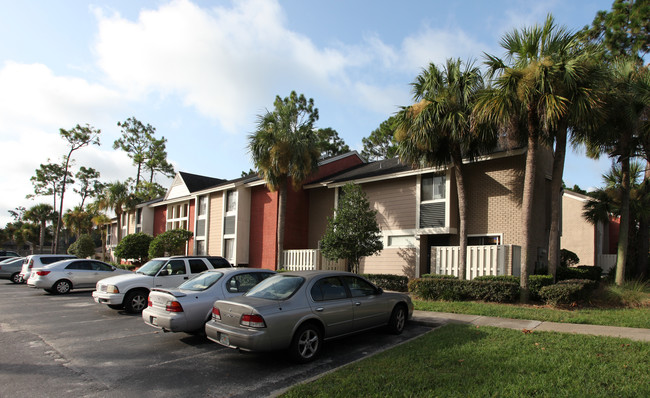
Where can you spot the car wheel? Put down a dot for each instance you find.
(115, 306)
(306, 344)
(62, 287)
(397, 320)
(136, 301)
(15, 278)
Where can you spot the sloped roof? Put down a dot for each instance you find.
(195, 182)
(369, 170)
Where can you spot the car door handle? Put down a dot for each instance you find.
(357, 304)
(320, 309)
(187, 277)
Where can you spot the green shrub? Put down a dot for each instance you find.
(439, 276)
(134, 246)
(568, 292)
(398, 283)
(459, 290)
(169, 243)
(83, 247)
(535, 282)
(568, 258)
(581, 272)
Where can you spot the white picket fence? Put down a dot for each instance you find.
(309, 259)
(480, 260)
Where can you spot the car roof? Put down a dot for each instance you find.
(237, 269)
(316, 273)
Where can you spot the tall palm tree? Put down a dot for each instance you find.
(40, 213)
(523, 92)
(627, 104)
(78, 221)
(284, 147)
(440, 129)
(116, 197)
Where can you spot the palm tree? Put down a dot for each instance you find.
(284, 147)
(41, 213)
(440, 129)
(626, 122)
(78, 221)
(116, 196)
(524, 93)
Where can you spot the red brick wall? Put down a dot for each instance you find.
(262, 243)
(159, 220)
(296, 227)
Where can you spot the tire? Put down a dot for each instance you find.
(136, 301)
(397, 320)
(306, 344)
(15, 278)
(115, 306)
(62, 287)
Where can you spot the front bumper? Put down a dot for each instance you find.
(108, 298)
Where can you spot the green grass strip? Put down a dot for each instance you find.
(627, 317)
(467, 361)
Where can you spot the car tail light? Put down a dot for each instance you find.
(174, 306)
(42, 273)
(253, 321)
(216, 314)
(149, 303)
(30, 264)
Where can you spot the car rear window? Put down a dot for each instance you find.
(201, 282)
(278, 287)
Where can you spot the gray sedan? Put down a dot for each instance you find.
(188, 307)
(10, 268)
(299, 310)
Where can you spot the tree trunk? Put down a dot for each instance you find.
(41, 240)
(556, 201)
(58, 220)
(624, 228)
(527, 204)
(282, 207)
(462, 213)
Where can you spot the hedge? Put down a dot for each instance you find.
(398, 283)
(459, 290)
(568, 292)
(581, 272)
(535, 282)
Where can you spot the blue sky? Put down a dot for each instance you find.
(201, 71)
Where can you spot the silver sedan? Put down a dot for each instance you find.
(10, 268)
(62, 276)
(299, 310)
(187, 307)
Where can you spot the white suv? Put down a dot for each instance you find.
(38, 261)
(132, 291)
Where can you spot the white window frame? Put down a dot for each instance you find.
(175, 217)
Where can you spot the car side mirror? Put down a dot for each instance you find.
(163, 273)
(380, 291)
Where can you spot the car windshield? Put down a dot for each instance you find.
(151, 267)
(202, 281)
(278, 287)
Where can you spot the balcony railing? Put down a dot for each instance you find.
(481, 260)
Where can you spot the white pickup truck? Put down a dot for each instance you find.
(131, 291)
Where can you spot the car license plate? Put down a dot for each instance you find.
(223, 339)
(154, 320)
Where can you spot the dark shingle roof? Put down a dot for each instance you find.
(368, 170)
(195, 182)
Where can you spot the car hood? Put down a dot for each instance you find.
(128, 279)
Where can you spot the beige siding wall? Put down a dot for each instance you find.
(577, 234)
(321, 206)
(395, 201)
(390, 261)
(215, 222)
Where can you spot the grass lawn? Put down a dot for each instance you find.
(466, 361)
(628, 317)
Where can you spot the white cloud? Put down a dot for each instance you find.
(224, 62)
(436, 46)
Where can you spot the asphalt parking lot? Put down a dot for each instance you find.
(69, 346)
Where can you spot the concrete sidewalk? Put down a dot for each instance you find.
(442, 318)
